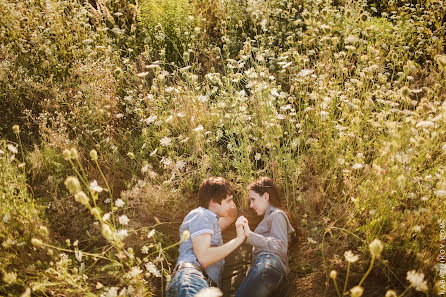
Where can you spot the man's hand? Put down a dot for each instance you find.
(244, 222)
(240, 226)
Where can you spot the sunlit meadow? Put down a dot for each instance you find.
(112, 112)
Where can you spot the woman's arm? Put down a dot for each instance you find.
(277, 241)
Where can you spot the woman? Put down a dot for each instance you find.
(268, 274)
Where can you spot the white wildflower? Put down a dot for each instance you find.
(180, 164)
(95, 187)
(311, 240)
(417, 280)
(123, 233)
(280, 116)
(151, 119)
(151, 233)
(440, 193)
(134, 272)
(199, 128)
(165, 141)
(10, 277)
(150, 267)
(145, 250)
(123, 220)
(105, 217)
(12, 148)
(350, 257)
(416, 228)
(358, 166)
(78, 254)
(153, 152)
(119, 203)
(257, 156)
(305, 72)
(111, 292)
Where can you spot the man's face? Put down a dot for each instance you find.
(225, 206)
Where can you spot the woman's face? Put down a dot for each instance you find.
(259, 203)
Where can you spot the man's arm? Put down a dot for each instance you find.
(225, 222)
(207, 255)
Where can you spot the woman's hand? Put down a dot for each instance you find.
(244, 222)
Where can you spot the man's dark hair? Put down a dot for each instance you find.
(213, 188)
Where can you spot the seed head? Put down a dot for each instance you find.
(73, 185)
(36, 242)
(94, 155)
(391, 293)
(376, 247)
(357, 291)
(16, 129)
(107, 232)
(185, 236)
(74, 153)
(66, 154)
(82, 198)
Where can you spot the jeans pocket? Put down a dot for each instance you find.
(271, 276)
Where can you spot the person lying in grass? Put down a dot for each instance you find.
(268, 273)
(201, 257)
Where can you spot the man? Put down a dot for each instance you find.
(200, 262)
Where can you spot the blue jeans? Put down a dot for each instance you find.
(265, 278)
(186, 282)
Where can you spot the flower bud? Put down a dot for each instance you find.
(94, 155)
(376, 247)
(357, 291)
(107, 232)
(95, 212)
(333, 274)
(16, 129)
(66, 154)
(185, 236)
(82, 198)
(131, 155)
(43, 231)
(36, 242)
(391, 293)
(73, 185)
(74, 153)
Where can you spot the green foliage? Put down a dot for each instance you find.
(171, 26)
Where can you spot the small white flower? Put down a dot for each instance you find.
(440, 193)
(105, 217)
(107, 201)
(145, 250)
(151, 119)
(257, 156)
(95, 187)
(165, 141)
(180, 164)
(119, 203)
(357, 291)
(350, 257)
(12, 148)
(416, 228)
(123, 233)
(123, 220)
(280, 116)
(78, 254)
(10, 277)
(417, 280)
(153, 152)
(357, 166)
(134, 272)
(311, 240)
(199, 128)
(150, 267)
(151, 233)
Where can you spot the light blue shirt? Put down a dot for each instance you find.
(199, 221)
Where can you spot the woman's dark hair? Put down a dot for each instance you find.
(264, 185)
(213, 188)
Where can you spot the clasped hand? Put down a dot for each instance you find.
(242, 227)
